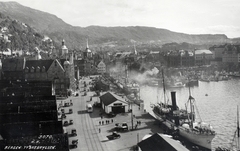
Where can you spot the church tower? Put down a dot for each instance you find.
(64, 48)
(87, 53)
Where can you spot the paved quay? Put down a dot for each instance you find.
(91, 134)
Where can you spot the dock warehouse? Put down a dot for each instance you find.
(111, 102)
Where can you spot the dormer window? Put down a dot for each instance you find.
(43, 69)
(38, 69)
(26, 69)
(32, 69)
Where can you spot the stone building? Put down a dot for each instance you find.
(203, 57)
(231, 54)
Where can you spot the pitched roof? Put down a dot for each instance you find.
(39, 63)
(109, 98)
(159, 142)
(203, 51)
(13, 64)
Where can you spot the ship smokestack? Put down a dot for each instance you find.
(174, 108)
(174, 103)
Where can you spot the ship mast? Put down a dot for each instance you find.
(191, 107)
(238, 133)
(164, 89)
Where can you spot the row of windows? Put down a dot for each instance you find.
(38, 69)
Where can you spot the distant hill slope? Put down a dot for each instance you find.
(75, 37)
(20, 35)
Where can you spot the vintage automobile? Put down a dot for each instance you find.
(70, 111)
(74, 132)
(70, 122)
(114, 135)
(121, 127)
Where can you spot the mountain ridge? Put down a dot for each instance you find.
(76, 36)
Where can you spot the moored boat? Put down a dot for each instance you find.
(164, 111)
(198, 133)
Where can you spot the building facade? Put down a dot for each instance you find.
(203, 57)
(101, 67)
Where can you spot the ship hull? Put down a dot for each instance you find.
(158, 117)
(203, 140)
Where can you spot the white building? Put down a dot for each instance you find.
(101, 67)
(111, 102)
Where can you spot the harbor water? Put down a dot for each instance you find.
(216, 104)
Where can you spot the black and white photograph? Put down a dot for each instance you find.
(119, 75)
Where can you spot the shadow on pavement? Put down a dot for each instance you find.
(105, 140)
(82, 112)
(95, 113)
(144, 116)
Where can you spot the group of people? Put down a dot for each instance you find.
(107, 122)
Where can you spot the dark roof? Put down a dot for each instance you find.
(40, 63)
(109, 98)
(13, 64)
(158, 142)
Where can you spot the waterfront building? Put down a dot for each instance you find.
(217, 52)
(160, 142)
(231, 54)
(111, 102)
(203, 57)
(179, 58)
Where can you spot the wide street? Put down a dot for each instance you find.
(91, 134)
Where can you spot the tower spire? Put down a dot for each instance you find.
(135, 50)
(87, 44)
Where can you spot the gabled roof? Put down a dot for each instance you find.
(159, 142)
(100, 62)
(109, 98)
(39, 63)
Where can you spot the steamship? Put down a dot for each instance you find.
(198, 133)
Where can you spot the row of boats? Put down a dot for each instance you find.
(184, 121)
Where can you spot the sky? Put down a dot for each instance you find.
(184, 16)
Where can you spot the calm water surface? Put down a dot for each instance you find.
(218, 108)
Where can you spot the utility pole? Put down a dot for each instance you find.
(132, 115)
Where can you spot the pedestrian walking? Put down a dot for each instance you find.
(99, 130)
(112, 120)
(102, 122)
(99, 122)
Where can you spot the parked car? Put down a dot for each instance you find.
(114, 135)
(65, 123)
(121, 127)
(70, 111)
(73, 132)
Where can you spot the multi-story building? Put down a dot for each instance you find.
(217, 52)
(203, 57)
(101, 67)
(231, 54)
(179, 58)
(26, 118)
(13, 68)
